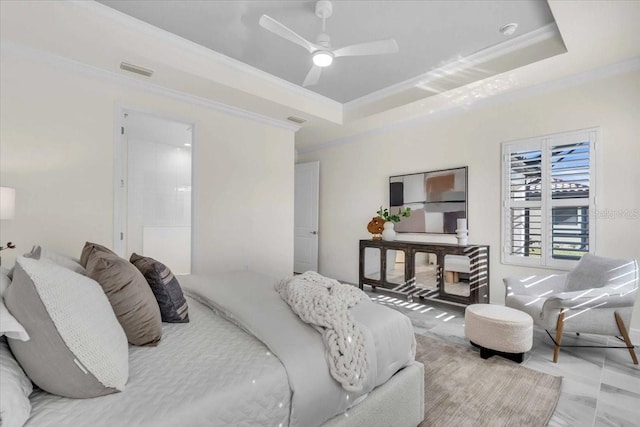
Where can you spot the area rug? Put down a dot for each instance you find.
(461, 389)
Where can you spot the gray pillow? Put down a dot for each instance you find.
(130, 296)
(165, 287)
(89, 248)
(77, 347)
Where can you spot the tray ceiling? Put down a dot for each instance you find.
(430, 34)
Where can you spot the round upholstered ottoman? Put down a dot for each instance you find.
(499, 330)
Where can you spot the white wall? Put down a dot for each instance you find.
(57, 151)
(354, 178)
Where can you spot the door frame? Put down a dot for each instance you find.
(119, 167)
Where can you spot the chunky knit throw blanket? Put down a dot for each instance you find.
(323, 303)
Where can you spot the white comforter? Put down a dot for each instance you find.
(249, 300)
(205, 373)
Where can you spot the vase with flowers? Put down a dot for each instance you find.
(389, 234)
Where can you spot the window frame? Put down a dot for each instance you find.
(546, 204)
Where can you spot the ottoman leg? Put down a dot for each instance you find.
(486, 353)
(517, 357)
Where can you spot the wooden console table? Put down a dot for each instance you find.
(443, 288)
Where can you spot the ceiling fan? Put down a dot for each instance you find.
(321, 52)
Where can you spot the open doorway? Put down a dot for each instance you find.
(155, 187)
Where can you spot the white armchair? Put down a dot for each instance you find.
(597, 297)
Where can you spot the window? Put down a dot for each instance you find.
(548, 191)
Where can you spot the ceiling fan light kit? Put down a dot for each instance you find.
(322, 58)
(322, 54)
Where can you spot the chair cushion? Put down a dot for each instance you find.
(595, 272)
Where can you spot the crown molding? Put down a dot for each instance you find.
(21, 51)
(599, 73)
(183, 44)
(459, 64)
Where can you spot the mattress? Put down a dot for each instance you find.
(206, 372)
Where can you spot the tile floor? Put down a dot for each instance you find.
(600, 387)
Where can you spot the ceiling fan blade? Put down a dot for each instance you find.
(370, 48)
(313, 76)
(279, 29)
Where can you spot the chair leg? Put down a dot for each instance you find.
(559, 328)
(625, 335)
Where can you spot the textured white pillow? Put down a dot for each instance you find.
(77, 347)
(15, 388)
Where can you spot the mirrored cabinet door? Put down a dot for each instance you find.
(372, 263)
(456, 275)
(426, 270)
(396, 267)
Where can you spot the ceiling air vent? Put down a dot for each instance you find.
(295, 119)
(135, 69)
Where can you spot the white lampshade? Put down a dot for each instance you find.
(7, 202)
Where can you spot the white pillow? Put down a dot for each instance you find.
(15, 388)
(9, 326)
(77, 347)
(42, 253)
(5, 279)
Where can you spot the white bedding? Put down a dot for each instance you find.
(209, 372)
(204, 373)
(389, 340)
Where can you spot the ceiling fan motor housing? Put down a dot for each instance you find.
(324, 40)
(324, 9)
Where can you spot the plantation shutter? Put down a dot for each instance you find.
(570, 185)
(547, 198)
(523, 169)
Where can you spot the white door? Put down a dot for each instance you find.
(305, 244)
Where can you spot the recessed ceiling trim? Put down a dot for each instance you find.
(196, 49)
(600, 73)
(29, 53)
(514, 44)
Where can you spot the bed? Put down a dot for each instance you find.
(222, 369)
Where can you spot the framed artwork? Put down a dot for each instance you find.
(437, 200)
